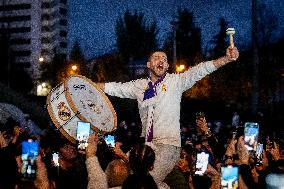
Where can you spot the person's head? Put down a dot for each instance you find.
(157, 64)
(8, 129)
(67, 156)
(141, 159)
(9, 126)
(116, 172)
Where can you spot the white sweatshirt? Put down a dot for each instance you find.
(162, 110)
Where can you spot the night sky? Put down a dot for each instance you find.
(92, 22)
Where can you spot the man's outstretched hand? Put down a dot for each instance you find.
(232, 53)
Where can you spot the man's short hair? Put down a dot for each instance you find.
(152, 52)
(116, 172)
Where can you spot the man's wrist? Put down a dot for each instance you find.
(221, 61)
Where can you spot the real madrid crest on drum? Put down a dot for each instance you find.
(79, 99)
(64, 113)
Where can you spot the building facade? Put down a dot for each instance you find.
(35, 29)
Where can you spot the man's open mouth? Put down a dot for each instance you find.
(160, 67)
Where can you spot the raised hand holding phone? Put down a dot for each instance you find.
(30, 150)
(201, 163)
(251, 131)
(201, 123)
(242, 151)
(92, 145)
(83, 133)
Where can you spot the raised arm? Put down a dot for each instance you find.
(96, 176)
(124, 90)
(189, 78)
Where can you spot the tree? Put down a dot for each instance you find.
(59, 68)
(54, 71)
(77, 59)
(226, 83)
(219, 48)
(219, 40)
(188, 39)
(108, 68)
(135, 37)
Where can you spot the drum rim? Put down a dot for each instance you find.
(75, 109)
(55, 121)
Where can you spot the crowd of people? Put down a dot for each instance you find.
(129, 163)
(160, 154)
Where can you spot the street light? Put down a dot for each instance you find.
(74, 67)
(43, 89)
(180, 68)
(41, 59)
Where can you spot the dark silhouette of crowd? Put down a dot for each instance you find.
(128, 164)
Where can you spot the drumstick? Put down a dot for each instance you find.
(231, 32)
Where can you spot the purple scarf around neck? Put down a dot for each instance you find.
(151, 90)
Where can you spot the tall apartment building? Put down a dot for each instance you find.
(36, 29)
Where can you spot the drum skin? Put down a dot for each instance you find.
(79, 99)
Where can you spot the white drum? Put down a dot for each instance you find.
(79, 99)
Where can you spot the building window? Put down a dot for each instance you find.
(16, 30)
(63, 44)
(15, 18)
(63, 33)
(45, 17)
(63, 11)
(20, 41)
(45, 40)
(63, 22)
(15, 7)
(22, 53)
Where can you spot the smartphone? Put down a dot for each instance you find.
(110, 140)
(229, 177)
(83, 133)
(259, 150)
(201, 163)
(30, 150)
(251, 130)
(55, 159)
